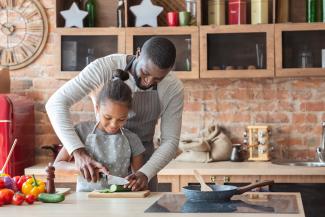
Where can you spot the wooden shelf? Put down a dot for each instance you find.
(225, 30)
(298, 28)
(170, 32)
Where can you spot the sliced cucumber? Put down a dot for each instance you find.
(118, 188)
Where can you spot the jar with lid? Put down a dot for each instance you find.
(216, 12)
(237, 12)
(259, 11)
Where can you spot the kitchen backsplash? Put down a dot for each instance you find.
(294, 108)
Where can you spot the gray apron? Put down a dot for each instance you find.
(146, 106)
(113, 151)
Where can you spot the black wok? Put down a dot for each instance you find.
(220, 193)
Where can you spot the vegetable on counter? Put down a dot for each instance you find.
(115, 188)
(20, 180)
(6, 195)
(51, 198)
(30, 199)
(18, 199)
(9, 183)
(33, 187)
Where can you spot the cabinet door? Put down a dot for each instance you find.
(313, 196)
(185, 40)
(78, 47)
(300, 50)
(237, 51)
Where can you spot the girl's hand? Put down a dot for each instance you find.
(137, 181)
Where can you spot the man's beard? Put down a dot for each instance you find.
(138, 82)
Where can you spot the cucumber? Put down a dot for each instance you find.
(118, 188)
(51, 198)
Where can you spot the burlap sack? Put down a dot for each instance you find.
(4, 80)
(221, 147)
(194, 156)
(194, 145)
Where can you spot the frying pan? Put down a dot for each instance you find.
(220, 193)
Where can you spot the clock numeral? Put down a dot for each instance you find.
(30, 43)
(22, 53)
(3, 3)
(36, 27)
(29, 14)
(10, 3)
(19, 3)
(7, 58)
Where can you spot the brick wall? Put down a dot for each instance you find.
(294, 108)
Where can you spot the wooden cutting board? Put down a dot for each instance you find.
(136, 194)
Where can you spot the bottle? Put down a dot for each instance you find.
(90, 7)
(311, 9)
(237, 12)
(188, 55)
(283, 11)
(322, 11)
(90, 55)
(191, 7)
(259, 11)
(216, 12)
(120, 13)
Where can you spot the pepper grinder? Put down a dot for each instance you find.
(50, 186)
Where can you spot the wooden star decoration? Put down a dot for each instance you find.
(146, 13)
(74, 16)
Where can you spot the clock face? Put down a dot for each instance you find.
(23, 32)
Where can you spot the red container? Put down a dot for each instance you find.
(236, 12)
(172, 19)
(17, 121)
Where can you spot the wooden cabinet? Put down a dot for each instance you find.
(237, 51)
(184, 38)
(76, 45)
(298, 49)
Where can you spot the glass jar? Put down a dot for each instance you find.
(259, 11)
(237, 12)
(216, 12)
(305, 58)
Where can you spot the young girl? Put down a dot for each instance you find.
(106, 141)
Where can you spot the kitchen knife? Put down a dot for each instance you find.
(115, 180)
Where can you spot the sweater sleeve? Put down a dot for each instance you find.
(59, 104)
(171, 122)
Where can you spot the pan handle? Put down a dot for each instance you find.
(246, 188)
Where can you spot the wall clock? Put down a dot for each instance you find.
(23, 32)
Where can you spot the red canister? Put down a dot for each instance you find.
(236, 12)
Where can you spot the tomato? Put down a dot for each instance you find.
(2, 183)
(30, 199)
(1, 202)
(18, 199)
(6, 195)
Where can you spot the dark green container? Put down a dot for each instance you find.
(311, 12)
(322, 11)
(90, 7)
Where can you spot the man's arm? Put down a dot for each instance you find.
(58, 110)
(171, 123)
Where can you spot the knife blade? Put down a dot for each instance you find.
(116, 180)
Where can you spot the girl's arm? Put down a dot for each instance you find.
(137, 162)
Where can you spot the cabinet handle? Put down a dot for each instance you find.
(213, 178)
(226, 179)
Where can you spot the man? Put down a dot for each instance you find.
(156, 94)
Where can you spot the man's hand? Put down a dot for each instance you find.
(88, 167)
(137, 181)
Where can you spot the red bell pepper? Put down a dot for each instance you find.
(20, 180)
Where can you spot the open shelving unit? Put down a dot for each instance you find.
(226, 51)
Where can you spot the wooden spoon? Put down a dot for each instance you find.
(204, 187)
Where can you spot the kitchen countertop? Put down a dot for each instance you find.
(79, 205)
(218, 168)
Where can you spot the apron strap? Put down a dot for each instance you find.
(94, 129)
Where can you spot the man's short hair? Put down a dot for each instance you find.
(160, 51)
